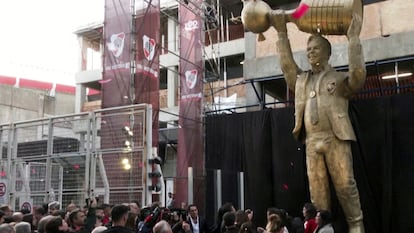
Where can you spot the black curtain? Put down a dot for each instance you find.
(261, 145)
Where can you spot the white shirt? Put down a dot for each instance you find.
(196, 226)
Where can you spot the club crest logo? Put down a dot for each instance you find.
(148, 45)
(191, 78)
(116, 44)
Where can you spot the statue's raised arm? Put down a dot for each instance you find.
(357, 71)
(288, 65)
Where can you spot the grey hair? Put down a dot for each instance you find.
(6, 228)
(22, 227)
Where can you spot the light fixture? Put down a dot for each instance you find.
(129, 131)
(402, 75)
(127, 166)
(125, 161)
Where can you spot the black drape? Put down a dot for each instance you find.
(261, 145)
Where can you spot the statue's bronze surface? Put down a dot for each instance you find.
(321, 114)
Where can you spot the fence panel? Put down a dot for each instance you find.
(73, 157)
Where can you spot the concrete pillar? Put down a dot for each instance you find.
(255, 90)
(172, 85)
(80, 97)
(172, 35)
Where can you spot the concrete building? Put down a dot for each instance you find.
(24, 99)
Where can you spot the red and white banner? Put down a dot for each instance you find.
(190, 135)
(116, 81)
(147, 64)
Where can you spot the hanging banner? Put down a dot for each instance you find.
(147, 63)
(116, 81)
(190, 135)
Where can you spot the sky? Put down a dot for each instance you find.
(37, 40)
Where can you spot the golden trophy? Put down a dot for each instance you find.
(312, 16)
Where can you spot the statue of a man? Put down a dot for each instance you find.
(321, 115)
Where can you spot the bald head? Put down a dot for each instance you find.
(17, 217)
(162, 227)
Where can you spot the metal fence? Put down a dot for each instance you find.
(74, 157)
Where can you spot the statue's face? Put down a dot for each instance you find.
(317, 53)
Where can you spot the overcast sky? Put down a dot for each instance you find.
(37, 40)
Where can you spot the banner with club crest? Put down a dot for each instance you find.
(116, 82)
(190, 134)
(147, 63)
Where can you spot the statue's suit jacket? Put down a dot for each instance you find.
(333, 93)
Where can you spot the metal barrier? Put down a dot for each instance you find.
(74, 157)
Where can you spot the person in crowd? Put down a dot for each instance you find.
(297, 225)
(324, 220)
(6, 228)
(77, 220)
(197, 223)
(247, 227)
(107, 214)
(132, 222)
(23, 227)
(38, 213)
(53, 208)
(119, 215)
(42, 223)
(82, 223)
(2, 215)
(275, 224)
(241, 217)
(56, 225)
(282, 215)
(250, 214)
(309, 214)
(170, 200)
(229, 221)
(99, 229)
(70, 207)
(8, 212)
(162, 227)
(227, 207)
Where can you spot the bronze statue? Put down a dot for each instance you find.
(321, 114)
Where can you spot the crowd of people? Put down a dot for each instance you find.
(131, 218)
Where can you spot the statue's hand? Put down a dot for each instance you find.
(355, 27)
(278, 20)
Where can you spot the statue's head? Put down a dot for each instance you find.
(318, 49)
